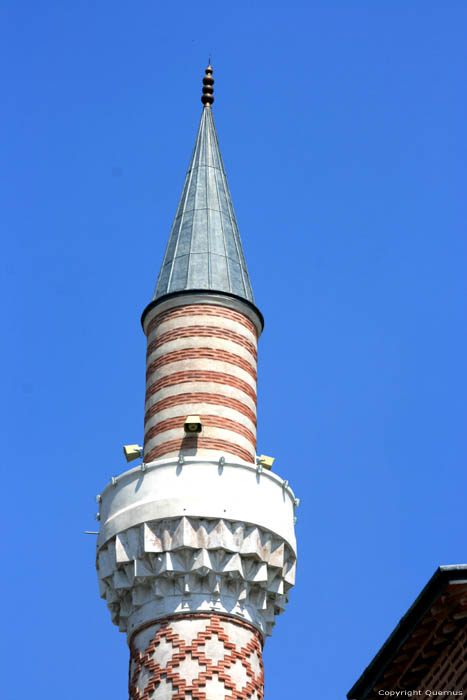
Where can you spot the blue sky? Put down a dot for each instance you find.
(342, 127)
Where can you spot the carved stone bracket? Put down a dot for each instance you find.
(193, 564)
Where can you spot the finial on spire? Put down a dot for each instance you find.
(207, 97)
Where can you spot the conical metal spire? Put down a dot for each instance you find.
(204, 249)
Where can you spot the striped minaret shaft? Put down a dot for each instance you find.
(196, 551)
(201, 356)
(201, 360)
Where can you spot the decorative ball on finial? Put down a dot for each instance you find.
(207, 97)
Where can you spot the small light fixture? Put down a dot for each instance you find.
(193, 425)
(132, 452)
(265, 461)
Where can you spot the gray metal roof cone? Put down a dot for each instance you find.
(204, 249)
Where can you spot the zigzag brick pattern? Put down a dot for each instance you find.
(204, 657)
(200, 357)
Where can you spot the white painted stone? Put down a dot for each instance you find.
(193, 571)
(164, 652)
(181, 564)
(188, 669)
(142, 640)
(240, 636)
(254, 662)
(167, 489)
(188, 630)
(143, 679)
(164, 691)
(238, 674)
(127, 546)
(215, 689)
(215, 650)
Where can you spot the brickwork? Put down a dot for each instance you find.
(201, 358)
(200, 398)
(449, 670)
(433, 657)
(201, 353)
(204, 657)
(203, 310)
(214, 421)
(203, 376)
(194, 443)
(201, 332)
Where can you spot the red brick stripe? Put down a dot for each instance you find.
(201, 354)
(202, 332)
(198, 442)
(211, 421)
(200, 397)
(201, 376)
(205, 310)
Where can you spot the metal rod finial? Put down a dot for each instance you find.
(207, 97)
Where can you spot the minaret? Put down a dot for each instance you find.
(196, 551)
